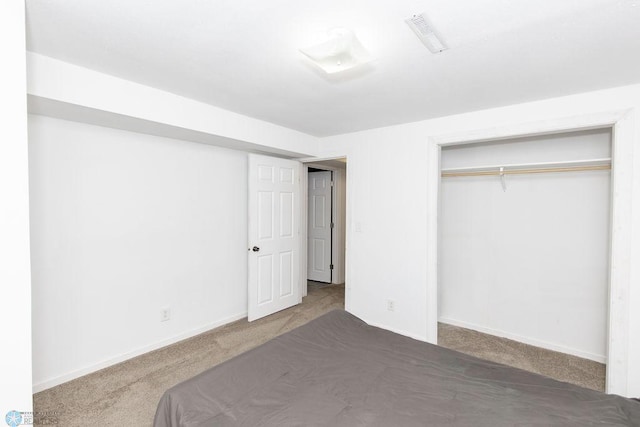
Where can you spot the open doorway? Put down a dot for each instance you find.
(324, 183)
(277, 230)
(320, 225)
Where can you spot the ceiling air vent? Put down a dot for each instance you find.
(424, 31)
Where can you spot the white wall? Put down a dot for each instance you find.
(388, 181)
(530, 263)
(15, 290)
(124, 224)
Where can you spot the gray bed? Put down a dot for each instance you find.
(339, 371)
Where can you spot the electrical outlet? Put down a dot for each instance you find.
(391, 305)
(165, 314)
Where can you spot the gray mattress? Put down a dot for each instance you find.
(339, 371)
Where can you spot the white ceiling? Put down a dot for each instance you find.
(242, 55)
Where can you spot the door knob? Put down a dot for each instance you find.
(255, 249)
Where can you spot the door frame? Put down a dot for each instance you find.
(338, 251)
(621, 124)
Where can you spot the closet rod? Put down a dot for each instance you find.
(528, 171)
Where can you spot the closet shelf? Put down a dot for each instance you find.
(524, 168)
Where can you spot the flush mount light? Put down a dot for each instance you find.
(342, 51)
(425, 32)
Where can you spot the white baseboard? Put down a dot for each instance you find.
(137, 352)
(525, 340)
(399, 332)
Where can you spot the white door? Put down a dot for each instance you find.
(274, 239)
(319, 233)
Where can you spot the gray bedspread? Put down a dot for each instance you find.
(339, 371)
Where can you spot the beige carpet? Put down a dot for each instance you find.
(560, 366)
(126, 394)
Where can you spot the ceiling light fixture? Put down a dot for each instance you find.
(342, 51)
(425, 32)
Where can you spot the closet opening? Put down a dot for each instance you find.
(620, 125)
(524, 252)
